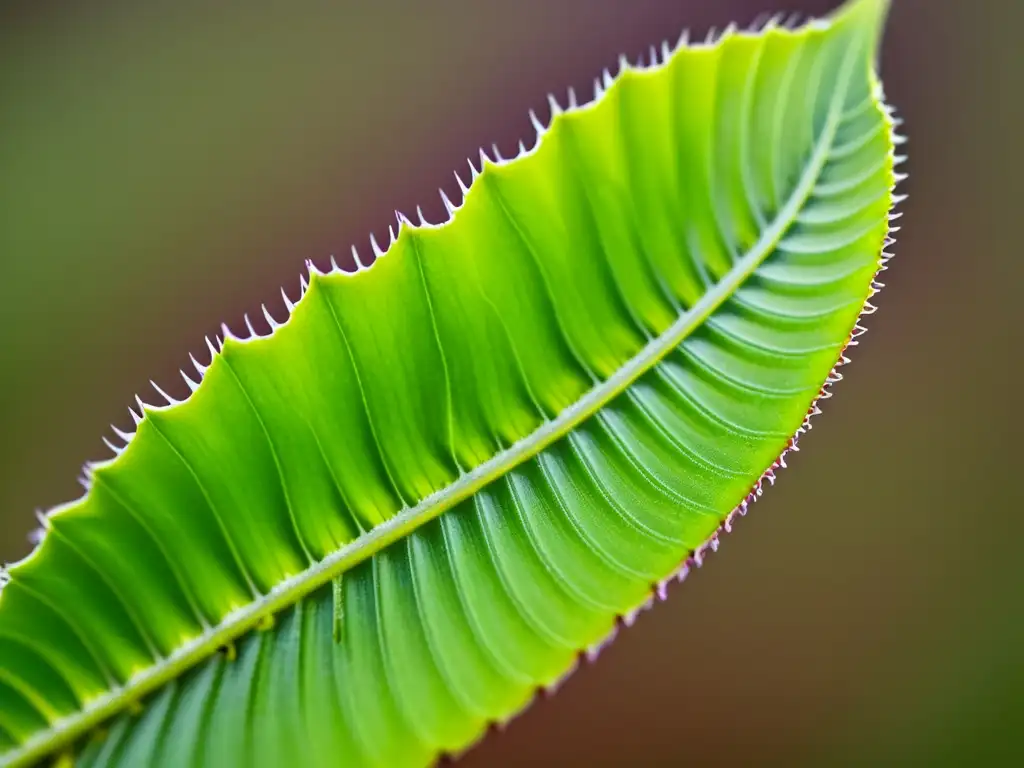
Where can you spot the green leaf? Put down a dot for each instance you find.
(371, 534)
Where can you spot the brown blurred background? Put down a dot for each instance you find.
(165, 166)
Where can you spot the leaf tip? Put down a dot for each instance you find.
(869, 15)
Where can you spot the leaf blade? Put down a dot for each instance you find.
(598, 429)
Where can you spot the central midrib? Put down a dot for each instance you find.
(293, 589)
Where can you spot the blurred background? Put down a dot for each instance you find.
(165, 166)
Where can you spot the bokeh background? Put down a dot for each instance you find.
(165, 166)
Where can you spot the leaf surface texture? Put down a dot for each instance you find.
(499, 438)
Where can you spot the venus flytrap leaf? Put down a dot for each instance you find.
(449, 475)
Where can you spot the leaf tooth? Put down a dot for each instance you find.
(377, 252)
(522, 148)
(624, 65)
(661, 589)
(274, 325)
(114, 449)
(484, 159)
(358, 261)
(462, 187)
(126, 436)
(447, 204)
(248, 326)
(403, 220)
(35, 538)
(630, 616)
(554, 106)
(666, 51)
(729, 521)
(303, 285)
(212, 350)
(684, 39)
(334, 270)
(606, 79)
(43, 519)
(200, 368)
(698, 557)
(497, 153)
(594, 650)
(552, 688)
(422, 219)
(192, 385)
(653, 52)
(538, 126)
(288, 304)
(170, 400)
(142, 406)
(474, 174)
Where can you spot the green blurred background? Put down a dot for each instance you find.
(165, 166)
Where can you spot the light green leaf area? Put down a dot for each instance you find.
(371, 534)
